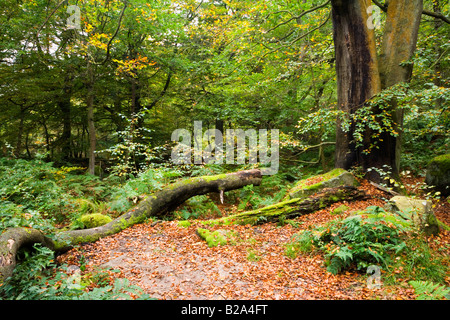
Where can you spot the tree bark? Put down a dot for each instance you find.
(90, 118)
(159, 205)
(66, 136)
(356, 68)
(399, 45)
(361, 75)
(11, 241)
(292, 208)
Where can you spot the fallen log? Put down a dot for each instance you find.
(292, 208)
(157, 205)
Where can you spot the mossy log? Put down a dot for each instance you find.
(292, 208)
(157, 205)
(12, 240)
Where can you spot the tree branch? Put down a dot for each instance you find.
(384, 7)
(299, 16)
(108, 47)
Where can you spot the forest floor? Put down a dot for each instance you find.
(169, 261)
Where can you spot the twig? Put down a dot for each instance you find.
(376, 185)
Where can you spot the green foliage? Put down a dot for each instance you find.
(370, 237)
(273, 190)
(133, 153)
(419, 262)
(373, 236)
(253, 255)
(199, 206)
(12, 215)
(33, 185)
(426, 290)
(36, 278)
(34, 192)
(124, 197)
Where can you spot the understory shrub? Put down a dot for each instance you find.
(375, 237)
(370, 237)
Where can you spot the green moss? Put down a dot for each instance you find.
(184, 224)
(215, 238)
(339, 210)
(214, 178)
(95, 220)
(443, 225)
(443, 162)
(302, 184)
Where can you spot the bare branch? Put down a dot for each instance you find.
(299, 16)
(437, 15)
(108, 47)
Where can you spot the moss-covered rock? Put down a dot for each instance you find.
(418, 211)
(334, 178)
(95, 220)
(215, 238)
(438, 174)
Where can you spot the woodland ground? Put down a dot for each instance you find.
(169, 261)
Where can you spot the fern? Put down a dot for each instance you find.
(37, 278)
(426, 290)
(361, 240)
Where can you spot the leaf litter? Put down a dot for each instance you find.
(169, 261)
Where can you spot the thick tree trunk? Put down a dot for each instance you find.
(399, 45)
(157, 205)
(361, 75)
(356, 68)
(292, 208)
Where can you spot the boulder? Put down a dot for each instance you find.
(418, 211)
(334, 178)
(438, 174)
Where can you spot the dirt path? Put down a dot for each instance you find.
(171, 262)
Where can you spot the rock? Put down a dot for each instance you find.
(438, 174)
(95, 220)
(334, 178)
(418, 211)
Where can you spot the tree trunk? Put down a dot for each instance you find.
(361, 75)
(399, 44)
(292, 208)
(90, 119)
(11, 241)
(20, 132)
(158, 205)
(66, 137)
(357, 71)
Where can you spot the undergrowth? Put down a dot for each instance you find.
(38, 277)
(373, 237)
